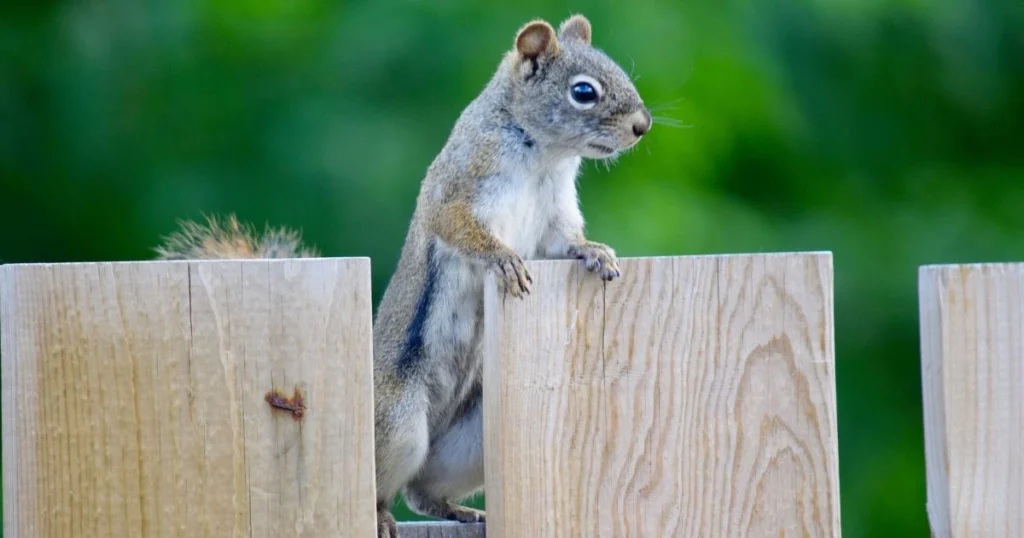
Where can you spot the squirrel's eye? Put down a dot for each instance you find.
(584, 93)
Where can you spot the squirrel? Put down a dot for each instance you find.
(232, 239)
(501, 190)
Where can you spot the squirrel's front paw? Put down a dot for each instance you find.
(597, 258)
(513, 278)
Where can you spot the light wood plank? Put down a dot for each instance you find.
(134, 398)
(441, 529)
(694, 397)
(972, 366)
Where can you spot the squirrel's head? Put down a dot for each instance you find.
(570, 95)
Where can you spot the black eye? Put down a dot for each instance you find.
(584, 93)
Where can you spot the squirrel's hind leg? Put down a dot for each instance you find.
(453, 471)
(403, 440)
(387, 527)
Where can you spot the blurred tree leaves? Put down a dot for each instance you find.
(886, 131)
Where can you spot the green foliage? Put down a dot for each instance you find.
(886, 131)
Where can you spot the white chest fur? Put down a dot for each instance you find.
(521, 206)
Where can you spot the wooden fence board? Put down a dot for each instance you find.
(135, 398)
(694, 397)
(441, 529)
(972, 370)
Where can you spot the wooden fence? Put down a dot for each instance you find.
(695, 397)
(135, 399)
(972, 350)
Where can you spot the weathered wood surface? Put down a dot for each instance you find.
(972, 368)
(440, 529)
(695, 397)
(134, 399)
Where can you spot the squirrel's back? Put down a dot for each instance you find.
(230, 239)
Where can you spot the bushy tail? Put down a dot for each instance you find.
(231, 240)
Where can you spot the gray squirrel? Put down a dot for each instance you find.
(502, 190)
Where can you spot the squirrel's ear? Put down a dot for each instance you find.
(575, 28)
(536, 38)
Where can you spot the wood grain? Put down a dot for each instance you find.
(441, 529)
(695, 397)
(972, 369)
(133, 399)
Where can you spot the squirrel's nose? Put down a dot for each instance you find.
(641, 122)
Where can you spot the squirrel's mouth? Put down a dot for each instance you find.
(601, 148)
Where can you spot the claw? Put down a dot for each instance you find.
(514, 279)
(597, 258)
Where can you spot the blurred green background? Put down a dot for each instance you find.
(886, 131)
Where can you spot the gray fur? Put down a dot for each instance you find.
(511, 164)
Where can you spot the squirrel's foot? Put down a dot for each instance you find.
(465, 514)
(597, 258)
(430, 506)
(513, 278)
(387, 527)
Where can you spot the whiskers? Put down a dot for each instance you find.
(667, 121)
(611, 160)
(669, 105)
(607, 162)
